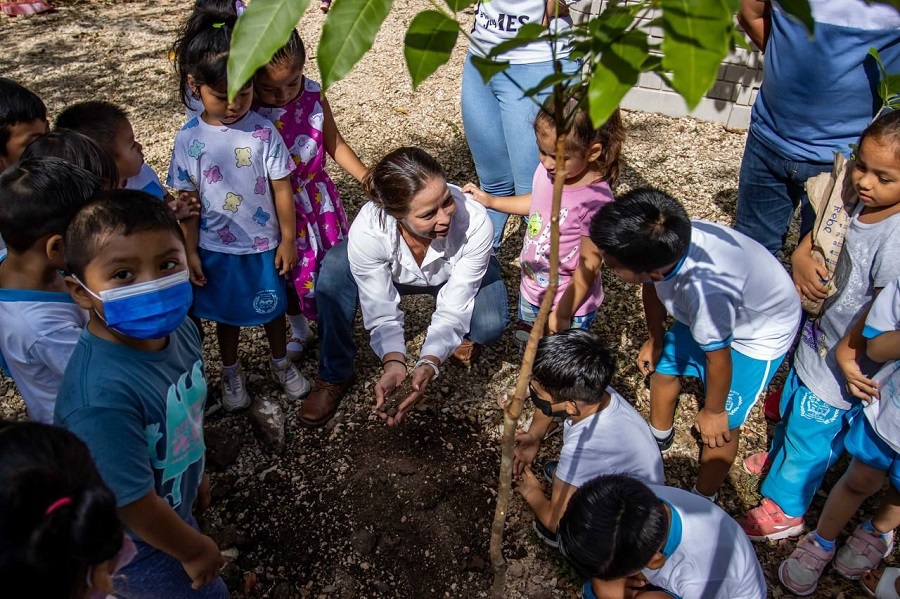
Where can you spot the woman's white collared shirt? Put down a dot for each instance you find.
(379, 258)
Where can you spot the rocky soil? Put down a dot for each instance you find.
(358, 509)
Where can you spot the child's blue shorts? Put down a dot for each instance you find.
(528, 313)
(243, 290)
(683, 356)
(864, 444)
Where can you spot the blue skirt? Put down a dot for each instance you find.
(241, 290)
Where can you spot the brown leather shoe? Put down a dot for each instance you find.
(467, 353)
(322, 402)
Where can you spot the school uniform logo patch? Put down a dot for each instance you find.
(265, 302)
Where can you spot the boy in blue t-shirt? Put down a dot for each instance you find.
(735, 309)
(39, 322)
(23, 118)
(135, 388)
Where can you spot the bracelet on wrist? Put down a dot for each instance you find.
(397, 360)
(427, 362)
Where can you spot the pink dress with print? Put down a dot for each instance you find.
(321, 220)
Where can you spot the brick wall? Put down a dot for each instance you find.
(727, 102)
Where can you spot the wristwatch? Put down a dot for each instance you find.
(437, 371)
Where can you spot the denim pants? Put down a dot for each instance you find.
(153, 574)
(499, 125)
(337, 297)
(770, 188)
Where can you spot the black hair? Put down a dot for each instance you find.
(78, 149)
(293, 51)
(120, 212)
(398, 177)
(17, 105)
(97, 119)
(644, 230)
(48, 554)
(202, 47)
(612, 527)
(582, 135)
(40, 197)
(573, 365)
(885, 129)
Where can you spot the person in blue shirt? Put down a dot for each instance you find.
(818, 93)
(39, 322)
(135, 389)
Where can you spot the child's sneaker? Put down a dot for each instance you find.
(550, 470)
(800, 572)
(862, 552)
(545, 535)
(768, 521)
(757, 464)
(295, 347)
(666, 445)
(295, 384)
(234, 389)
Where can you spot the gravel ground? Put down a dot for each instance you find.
(357, 508)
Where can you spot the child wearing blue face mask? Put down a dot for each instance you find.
(571, 375)
(135, 387)
(39, 322)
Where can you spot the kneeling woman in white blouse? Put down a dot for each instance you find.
(417, 235)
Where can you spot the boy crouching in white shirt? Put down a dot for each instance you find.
(603, 433)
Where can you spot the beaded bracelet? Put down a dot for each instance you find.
(386, 362)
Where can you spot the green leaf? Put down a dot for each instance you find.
(551, 80)
(528, 33)
(888, 84)
(616, 72)
(801, 11)
(264, 27)
(458, 5)
(348, 33)
(428, 44)
(487, 67)
(740, 40)
(697, 36)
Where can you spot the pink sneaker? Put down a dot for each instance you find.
(800, 572)
(768, 521)
(862, 552)
(757, 464)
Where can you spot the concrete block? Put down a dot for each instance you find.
(744, 93)
(753, 97)
(739, 118)
(647, 100)
(733, 73)
(712, 110)
(721, 90)
(650, 81)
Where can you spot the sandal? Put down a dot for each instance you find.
(887, 585)
(862, 552)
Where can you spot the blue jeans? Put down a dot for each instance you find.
(770, 188)
(499, 125)
(153, 573)
(337, 297)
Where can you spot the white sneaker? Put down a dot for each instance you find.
(295, 349)
(295, 384)
(234, 391)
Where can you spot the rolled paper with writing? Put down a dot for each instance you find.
(833, 198)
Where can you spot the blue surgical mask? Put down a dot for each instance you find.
(151, 310)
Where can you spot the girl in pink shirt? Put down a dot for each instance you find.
(298, 109)
(592, 166)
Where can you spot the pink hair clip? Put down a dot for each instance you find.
(58, 504)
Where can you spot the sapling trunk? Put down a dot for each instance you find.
(514, 404)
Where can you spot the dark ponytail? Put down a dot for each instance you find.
(57, 517)
(201, 49)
